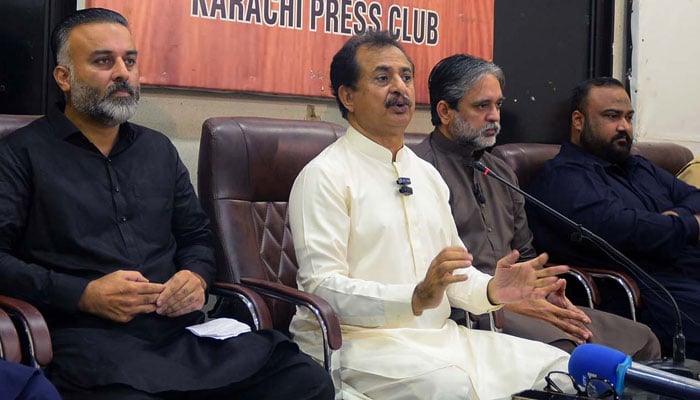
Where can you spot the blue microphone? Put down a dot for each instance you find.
(596, 361)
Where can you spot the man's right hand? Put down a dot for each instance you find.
(120, 296)
(430, 292)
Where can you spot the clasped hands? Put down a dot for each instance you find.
(512, 281)
(122, 295)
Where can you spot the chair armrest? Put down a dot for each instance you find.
(330, 326)
(250, 298)
(585, 281)
(10, 349)
(628, 284)
(497, 320)
(34, 329)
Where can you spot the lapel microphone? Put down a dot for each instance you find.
(404, 187)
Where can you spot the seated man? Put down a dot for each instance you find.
(465, 102)
(374, 236)
(102, 231)
(639, 208)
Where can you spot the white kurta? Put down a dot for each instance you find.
(363, 247)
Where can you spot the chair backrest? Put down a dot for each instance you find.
(527, 159)
(246, 170)
(11, 122)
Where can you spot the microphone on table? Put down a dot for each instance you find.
(596, 361)
(679, 364)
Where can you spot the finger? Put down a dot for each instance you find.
(448, 267)
(134, 276)
(577, 315)
(579, 334)
(144, 288)
(193, 302)
(509, 259)
(545, 286)
(171, 289)
(552, 271)
(453, 254)
(539, 261)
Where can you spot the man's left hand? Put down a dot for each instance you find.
(183, 293)
(515, 281)
(564, 316)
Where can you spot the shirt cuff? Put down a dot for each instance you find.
(689, 222)
(66, 291)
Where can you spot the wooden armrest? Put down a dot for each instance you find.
(324, 312)
(499, 319)
(253, 301)
(35, 329)
(10, 349)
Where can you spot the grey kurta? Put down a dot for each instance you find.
(363, 247)
(496, 224)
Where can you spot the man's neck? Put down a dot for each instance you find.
(392, 140)
(102, 136)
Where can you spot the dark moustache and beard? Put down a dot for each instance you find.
(607, 150)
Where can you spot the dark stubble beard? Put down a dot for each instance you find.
(463, 132)
(107, 110)
(609, 151)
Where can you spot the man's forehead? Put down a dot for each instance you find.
(94, 33)
(383, 57)
(609, 97)
(485, 88)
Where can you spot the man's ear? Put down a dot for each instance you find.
(578, 122)
(62, 76)
(345, 94)
(445, 112)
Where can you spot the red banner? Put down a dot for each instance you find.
(286, 46)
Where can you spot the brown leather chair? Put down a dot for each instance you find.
(246, 170)
(527, 160)
(11, 122)
(9, 341)
(31, 329)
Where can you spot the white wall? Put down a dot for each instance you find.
(665, 61)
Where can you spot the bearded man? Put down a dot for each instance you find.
(639, 208)
(466, 95)
(101, 230)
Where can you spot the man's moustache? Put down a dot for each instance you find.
(120, 86)
(621, 135)
(494, 125)
(394, 100)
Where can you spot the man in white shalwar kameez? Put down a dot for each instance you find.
(391, 263)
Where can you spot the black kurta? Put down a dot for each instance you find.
(69, 215)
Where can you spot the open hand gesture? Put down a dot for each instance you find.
(515, 281)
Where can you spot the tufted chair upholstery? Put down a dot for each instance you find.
(246, 170)
(527, 160)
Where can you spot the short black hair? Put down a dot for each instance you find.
(579, 95)
(345, 71)
(59, 36)
(452, 77)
